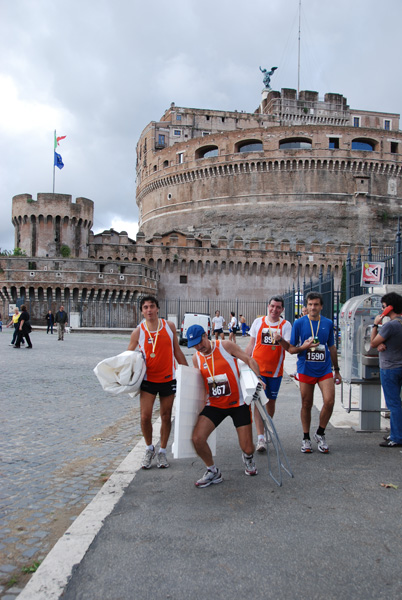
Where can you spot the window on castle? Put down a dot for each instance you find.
(101, 268)
(161, 139)
(333, 143)
(180, 158)
(206, 152)
(183, 278)
(356, 121)
(394, 147)
(296, 144)
(177, 132)
(165, 164)
(364, 145)
(249, 146)
(178, 117)
(32, 266)
(387, 124)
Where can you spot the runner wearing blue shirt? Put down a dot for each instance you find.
(313, 340)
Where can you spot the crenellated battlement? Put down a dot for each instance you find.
(51, 223)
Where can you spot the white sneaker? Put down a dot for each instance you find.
(147, 459)
(306, 447)
(261, 446)
(322, 444)
(161, 460)
(208, 478)
(250, 468)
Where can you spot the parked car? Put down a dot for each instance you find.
(194, 319)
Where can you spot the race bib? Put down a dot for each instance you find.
(316, 355)
(267, 339)
(218, 386)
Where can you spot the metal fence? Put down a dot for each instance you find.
(92, 313)
(392, 257)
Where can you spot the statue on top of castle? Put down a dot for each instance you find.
(267, 76)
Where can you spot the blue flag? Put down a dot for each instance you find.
(58, 161)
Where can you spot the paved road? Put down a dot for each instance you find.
(61, 436)
(331, 532)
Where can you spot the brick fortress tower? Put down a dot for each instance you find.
(46, 225)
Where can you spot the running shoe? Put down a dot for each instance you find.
(161, 460)
(147, 459)
(306, 447)
(208, 478)
(390, 444)
(322, 444)
(386, 438)
(261, 446)
(250, 469)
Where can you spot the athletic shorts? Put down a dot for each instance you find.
(312, 380)
(241, 415)
(272, 386)
(165, 388)
(218, 330)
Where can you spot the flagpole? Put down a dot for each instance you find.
(54, 166)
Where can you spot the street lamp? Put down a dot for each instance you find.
(298, 282)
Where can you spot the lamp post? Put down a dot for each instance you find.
(298, 282)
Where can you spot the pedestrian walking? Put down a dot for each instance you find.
(61, 320)
(24, 328)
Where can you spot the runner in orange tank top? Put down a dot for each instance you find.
(157, 340)
(217, 363)
(269, 339)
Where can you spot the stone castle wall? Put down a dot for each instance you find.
(311, 194)
(44, 225)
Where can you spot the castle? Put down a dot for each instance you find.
(231, 205)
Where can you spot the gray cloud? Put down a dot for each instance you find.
(98, 72)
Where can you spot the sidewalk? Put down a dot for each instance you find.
(331, 531)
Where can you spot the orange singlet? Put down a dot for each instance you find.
(221, 369)
(161, 367)
(268, 353)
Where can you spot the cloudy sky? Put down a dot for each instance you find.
(100, 71)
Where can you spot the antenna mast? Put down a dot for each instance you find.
(298, 58)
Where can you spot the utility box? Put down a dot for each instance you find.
(359, 362)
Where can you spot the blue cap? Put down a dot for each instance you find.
(194, 335)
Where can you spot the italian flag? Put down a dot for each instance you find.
(57, 140)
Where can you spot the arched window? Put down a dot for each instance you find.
(363, 144)
(206, 152)
(295, 144)
(249, 146)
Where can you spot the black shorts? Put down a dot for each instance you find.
(165, 388)
(218, 330)
(241, 415)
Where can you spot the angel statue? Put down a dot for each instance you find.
(267, 76)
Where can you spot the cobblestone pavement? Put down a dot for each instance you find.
(61, 436)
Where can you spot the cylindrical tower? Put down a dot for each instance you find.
(299, 168)
(52, 225)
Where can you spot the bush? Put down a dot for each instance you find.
(65, 251)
